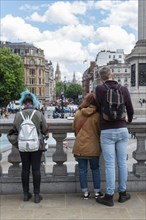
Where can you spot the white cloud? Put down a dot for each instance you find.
(15, 29)
(61, 13)
(114, 37)
(75, 32)
(119, 12)
(63, 50)
(27, 7)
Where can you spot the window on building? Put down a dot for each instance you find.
(120, 56)
(113, 70)
(32, 72)
(40, 91)
(32, 62)
(17, 51)
(32, 90)
(39, 72)
(113, 56)
(118, 70)
(31, 81)
(125, 79)
(109, 56)
(40, 80)
(22, 52)
(39, 61)
(31, 51)
(125, 70)
(119, 80)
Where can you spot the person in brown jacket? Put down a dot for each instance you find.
(86, 146)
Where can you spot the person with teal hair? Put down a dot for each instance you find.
(25, 94)
(31, 159)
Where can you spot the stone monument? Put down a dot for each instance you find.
(137, 60)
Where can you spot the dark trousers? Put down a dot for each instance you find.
(31, 159)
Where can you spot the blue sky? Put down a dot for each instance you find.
(70, 32)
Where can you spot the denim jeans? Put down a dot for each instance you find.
(83, 170)
(114, 143)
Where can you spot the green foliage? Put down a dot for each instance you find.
(59, 88)
(11, 76)
(73, 90)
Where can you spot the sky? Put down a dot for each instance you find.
(71, 33)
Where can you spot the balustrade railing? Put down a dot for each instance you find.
(59, 129)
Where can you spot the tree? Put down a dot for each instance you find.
(11, 76)
(59, 88)
(73, 91)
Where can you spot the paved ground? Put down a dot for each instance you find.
(71, 207)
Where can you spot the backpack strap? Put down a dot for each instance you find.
(32, 114)
(106, 86)
(120, 96)
(22, 115)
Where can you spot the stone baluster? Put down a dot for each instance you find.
(59, 157)
(14, 158)
(0, 164)
(139, 168)
(0, 160)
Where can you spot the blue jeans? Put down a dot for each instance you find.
(83, 170)
(114, 143)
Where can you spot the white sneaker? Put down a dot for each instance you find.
(98, 194)
(86, 195)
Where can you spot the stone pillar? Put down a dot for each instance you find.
(59, 157)
(0, 160)
(137, 60)
(141, 19)
(14, 158)
(0, 164)
(139, 168)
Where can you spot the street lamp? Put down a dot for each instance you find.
(65, 86)
(62, 110)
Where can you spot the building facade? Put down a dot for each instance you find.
(37, 70)
(106, 56)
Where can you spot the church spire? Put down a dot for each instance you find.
(74, 78)
(57, 74)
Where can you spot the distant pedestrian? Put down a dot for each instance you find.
(86, 148)
(141, 102)
(114, 136)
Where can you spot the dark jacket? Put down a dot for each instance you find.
(39, 121)
(87, 139)
(100, 93)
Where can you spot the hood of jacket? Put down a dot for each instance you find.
(90, 110)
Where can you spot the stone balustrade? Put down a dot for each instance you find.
(62, 181)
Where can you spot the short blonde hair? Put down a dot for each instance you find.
(105, 73)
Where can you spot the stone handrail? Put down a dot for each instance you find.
(59, 129)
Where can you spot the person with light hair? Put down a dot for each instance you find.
(114, 135)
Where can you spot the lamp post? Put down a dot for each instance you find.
(62, 109)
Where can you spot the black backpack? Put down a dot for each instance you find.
(114, 107)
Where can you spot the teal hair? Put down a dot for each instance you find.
(34, 99)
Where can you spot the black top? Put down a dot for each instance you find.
(100, 94)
